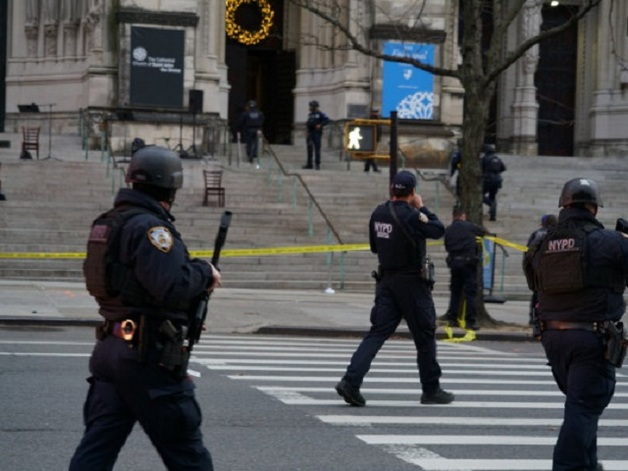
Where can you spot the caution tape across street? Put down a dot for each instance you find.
(257, 252)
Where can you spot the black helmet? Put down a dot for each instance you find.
(157, 167)
(488, 148)
(580, 190)
(252, 104)
(314, 104)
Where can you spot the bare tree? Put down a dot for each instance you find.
(482, 63)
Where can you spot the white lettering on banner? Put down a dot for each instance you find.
(561, 245)
(383, 230)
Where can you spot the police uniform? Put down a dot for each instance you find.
(462, 259)
(397, 234)
(492, 168)
(316, 119)
(250, 124)
(137, 375)
(579, 270)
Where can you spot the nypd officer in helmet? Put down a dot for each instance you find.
(139, 270)
(579, 270)
(398, 230)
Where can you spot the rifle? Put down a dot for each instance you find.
(196, 324)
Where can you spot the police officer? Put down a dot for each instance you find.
(398, 230)
(251, 123)
(492, 169)
(547, 221)
(463, 255)
(146, 284)
(316, 119)
(579, 270)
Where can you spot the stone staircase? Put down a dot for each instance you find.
(50, 205)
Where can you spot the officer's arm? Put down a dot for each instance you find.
(426, 223)
(168, 273)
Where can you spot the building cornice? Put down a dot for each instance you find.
(165, 18)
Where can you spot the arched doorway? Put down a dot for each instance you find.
(556, 84)
(263, 71)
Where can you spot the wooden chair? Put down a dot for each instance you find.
(30, 139)
(213, 187)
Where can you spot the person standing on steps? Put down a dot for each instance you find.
(250, 127)
(398, 230)
(492, 169)
(370, 163)
(316, 120)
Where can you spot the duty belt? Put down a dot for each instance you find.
(564, 325)
(124, 329)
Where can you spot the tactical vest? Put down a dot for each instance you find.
(561, 263)
(495, 164)
(107, 279)
(396, 248)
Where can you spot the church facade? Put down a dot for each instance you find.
(169, 64)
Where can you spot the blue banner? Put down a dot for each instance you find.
(488, 263)
(406, 89)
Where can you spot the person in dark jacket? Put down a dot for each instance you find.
(316, 120)
(579, 270)
(492, 169)
(146, 286)
(463, 255)
(250, 127)
(547, 221)
(398, 230)
(369, 163)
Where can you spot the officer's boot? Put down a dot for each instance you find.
(492, 212)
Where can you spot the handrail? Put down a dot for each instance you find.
(298, 176)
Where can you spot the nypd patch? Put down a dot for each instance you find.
(161, 238)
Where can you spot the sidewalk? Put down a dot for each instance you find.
(231, 310)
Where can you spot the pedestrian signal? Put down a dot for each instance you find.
(360, 137)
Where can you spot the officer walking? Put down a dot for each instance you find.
(492, 169)
(139, 270)
(251, 123)
(398, 230)
(316, 119)
(463, 255)
(579, 270)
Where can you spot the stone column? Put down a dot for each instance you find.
(525, 107)
(31, 26)
(70, 13)
(50, 13)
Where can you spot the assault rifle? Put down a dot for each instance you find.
(196, 324)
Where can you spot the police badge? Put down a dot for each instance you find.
(161, 238)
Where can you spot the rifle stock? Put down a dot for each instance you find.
(196, 326)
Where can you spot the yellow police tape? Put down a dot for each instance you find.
(259, 252)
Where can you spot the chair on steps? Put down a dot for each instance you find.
(30, 140)
(213, 187)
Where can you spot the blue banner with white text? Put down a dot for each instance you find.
(406, 89)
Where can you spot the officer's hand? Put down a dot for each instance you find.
(417, 202)
(216, 279)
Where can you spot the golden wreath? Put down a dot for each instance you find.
(245, 36)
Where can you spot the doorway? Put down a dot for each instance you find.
(555, 82)
(263, 72)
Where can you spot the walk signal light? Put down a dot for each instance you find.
(360, 137)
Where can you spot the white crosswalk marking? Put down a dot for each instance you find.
(504, 401)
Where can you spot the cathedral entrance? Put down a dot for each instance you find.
(556, 84)
(259, 68)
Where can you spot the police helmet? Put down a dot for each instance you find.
(488, 148)
(156, 167)
(314, 104)
(252, 104)
(580, 190)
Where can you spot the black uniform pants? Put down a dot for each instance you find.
(400, 296)
(588, 382)
(464, 280)
(251, 139)
(124, 391)
(313, 143)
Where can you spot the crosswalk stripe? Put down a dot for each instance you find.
(355, 420)
(464, 440)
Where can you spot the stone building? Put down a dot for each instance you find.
(165, 68)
